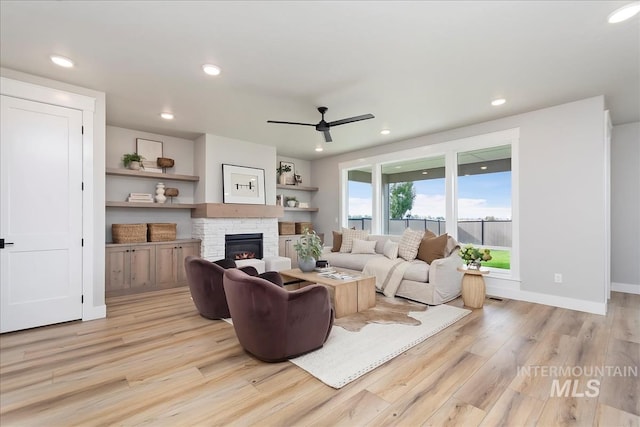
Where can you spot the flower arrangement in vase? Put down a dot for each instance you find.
(473, 257)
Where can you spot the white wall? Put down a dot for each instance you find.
(97, 152)
(217, 150)
(625, 208)
(562, 197)
(120, 141)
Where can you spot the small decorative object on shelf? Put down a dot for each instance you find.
(292, 202)
(283, 172)
(309, 249)
(160, 197)
(171, 193)
(473, 257)
(279, 198)
(165, 162)
(133, 161)
(298, 179)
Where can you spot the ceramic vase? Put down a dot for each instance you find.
(134, 166)
(306, 265)
(160, 197)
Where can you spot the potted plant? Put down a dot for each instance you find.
(281, 170)
(133, 161)
(292, 201)
(473, 257)
(309, 249)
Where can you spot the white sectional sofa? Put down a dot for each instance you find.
(432, 284)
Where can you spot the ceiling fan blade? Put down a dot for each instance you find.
(290, 123)
(351, 119)
(327, 136)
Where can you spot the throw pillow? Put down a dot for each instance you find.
(390, 249)
(363, 246)
(432, 248)
(423, 244)
(409, 243)
(337, 241)
(347, 238)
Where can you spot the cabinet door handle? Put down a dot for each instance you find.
(3, 243)
(133, 250)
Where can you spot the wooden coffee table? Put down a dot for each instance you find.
(348, 296)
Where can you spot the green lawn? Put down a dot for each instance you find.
(499, 259)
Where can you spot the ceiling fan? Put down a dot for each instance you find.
(323, 126)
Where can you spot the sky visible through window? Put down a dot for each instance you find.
(479, 196)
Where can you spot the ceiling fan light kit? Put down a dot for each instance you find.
(323, 126)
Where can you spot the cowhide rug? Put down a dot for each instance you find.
(386, 311)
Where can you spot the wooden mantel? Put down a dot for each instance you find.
(232, 210)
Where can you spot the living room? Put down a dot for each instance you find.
(575, 206)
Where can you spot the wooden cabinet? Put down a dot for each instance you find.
(130, 267)
(170, 263)
(143, 267)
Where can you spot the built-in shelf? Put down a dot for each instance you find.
(301, 209)
(154, 175)
(296, 187)
(150, 205)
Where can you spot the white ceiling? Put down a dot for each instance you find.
(419, 67)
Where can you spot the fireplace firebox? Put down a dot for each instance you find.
(243, 246)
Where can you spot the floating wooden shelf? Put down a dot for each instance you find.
(301, 209)
(154, 175)
(150, 205)
(296, 187)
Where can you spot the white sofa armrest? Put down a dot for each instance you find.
(445, 277)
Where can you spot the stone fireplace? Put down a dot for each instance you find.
(213, 231)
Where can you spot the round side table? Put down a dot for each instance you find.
(473, 287)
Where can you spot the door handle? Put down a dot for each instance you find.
(3, 243)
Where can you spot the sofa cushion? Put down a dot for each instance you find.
(381, 239)
(390, 249)
(409, 243)
(418, 271)
(363, 247)
(348, 260)
(432, 248)
(347, 238)
(337, 241)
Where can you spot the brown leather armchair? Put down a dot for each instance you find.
(205, 283)
(274, 324)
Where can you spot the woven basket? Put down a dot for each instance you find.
(286, 228)
(300, 226)
(162, 232)
(129, 233)
(165, 162)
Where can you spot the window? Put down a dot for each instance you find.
(484, 202)
(466, 188)
(414, 195)
(360, 202)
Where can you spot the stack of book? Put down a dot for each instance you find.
(140, 198)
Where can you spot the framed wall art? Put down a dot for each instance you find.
(243, 185)
(150, 150)
(289, 177)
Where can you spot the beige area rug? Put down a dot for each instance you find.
(347, 355)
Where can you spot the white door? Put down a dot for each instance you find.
(40, 214)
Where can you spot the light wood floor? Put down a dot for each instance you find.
(155, 361)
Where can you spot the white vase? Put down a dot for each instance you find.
(160, 197)
(134, 166)
(282, 179)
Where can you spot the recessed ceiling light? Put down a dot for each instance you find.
(498, 101)
(385, 132)
(484, 168)
(167, 116)
(425, 173)
(212, 70)
(398, 167)
(61, 61)
(318, 149)
(624, 13)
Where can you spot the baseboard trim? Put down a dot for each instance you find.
(627, 288)
(552, 300)
(94, 312)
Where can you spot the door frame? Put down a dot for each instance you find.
(87, 105)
